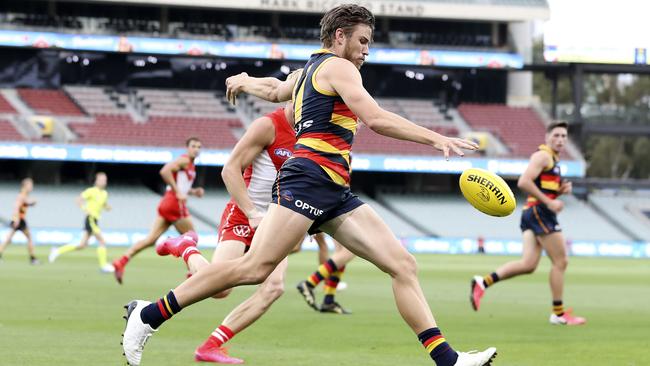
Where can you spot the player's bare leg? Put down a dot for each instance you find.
(183, 225)
(531, 254)
(381, 247)
(255, 306)
(554, 246)
(364, 233)
(242, 317)
(160, 225)
(30, 247)
(7, 240)
(269, 247)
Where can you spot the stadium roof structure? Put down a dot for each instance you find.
(486, 10)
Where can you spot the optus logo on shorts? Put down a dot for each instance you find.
(307, 207)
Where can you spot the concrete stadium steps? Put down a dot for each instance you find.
(451, 216)
(133, 207)
(398, 226)
(625, 209)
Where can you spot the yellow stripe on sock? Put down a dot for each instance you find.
(328, 290)
(323, 271)
(169, 308)
(488, 280)
(435, 344)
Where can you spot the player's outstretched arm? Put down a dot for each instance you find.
(344, 78)
(259, 135)
(269, 89)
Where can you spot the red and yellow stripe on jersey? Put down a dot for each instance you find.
(325, 126)
(549, 179)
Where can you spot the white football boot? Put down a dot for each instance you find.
(136, 334)
(475, 358)
(54, 253)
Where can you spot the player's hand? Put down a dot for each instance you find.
(254, 218)
(182, 198)
(454, 144)
(566, 187)
(555, 206)
(15, 224)
(198, 192)
(235, 86)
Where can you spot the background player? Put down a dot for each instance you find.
(331, 271)
(18, 219)
(312, 191)
(92, 201)
(541, 231)
(259, 154)
(172, 210)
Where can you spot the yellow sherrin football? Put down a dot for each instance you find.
(487, 192)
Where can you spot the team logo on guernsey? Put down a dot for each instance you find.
(243, 231)
(283, 153)
(286, 195)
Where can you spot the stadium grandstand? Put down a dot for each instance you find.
(119, 86)
(107, 99)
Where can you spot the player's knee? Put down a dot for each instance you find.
(223, 294)
(256, 273)
(561, 263)
(406, 266)
(529, 267)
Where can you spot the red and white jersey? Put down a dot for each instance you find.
(260, 175)
(184, 178)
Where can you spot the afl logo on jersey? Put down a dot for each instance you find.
(282, 153)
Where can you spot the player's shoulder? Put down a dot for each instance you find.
(542, 158)
(340, 64)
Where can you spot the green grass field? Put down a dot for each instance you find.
(68, 313)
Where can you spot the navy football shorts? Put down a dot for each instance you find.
(302, 186)
(540, 220)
